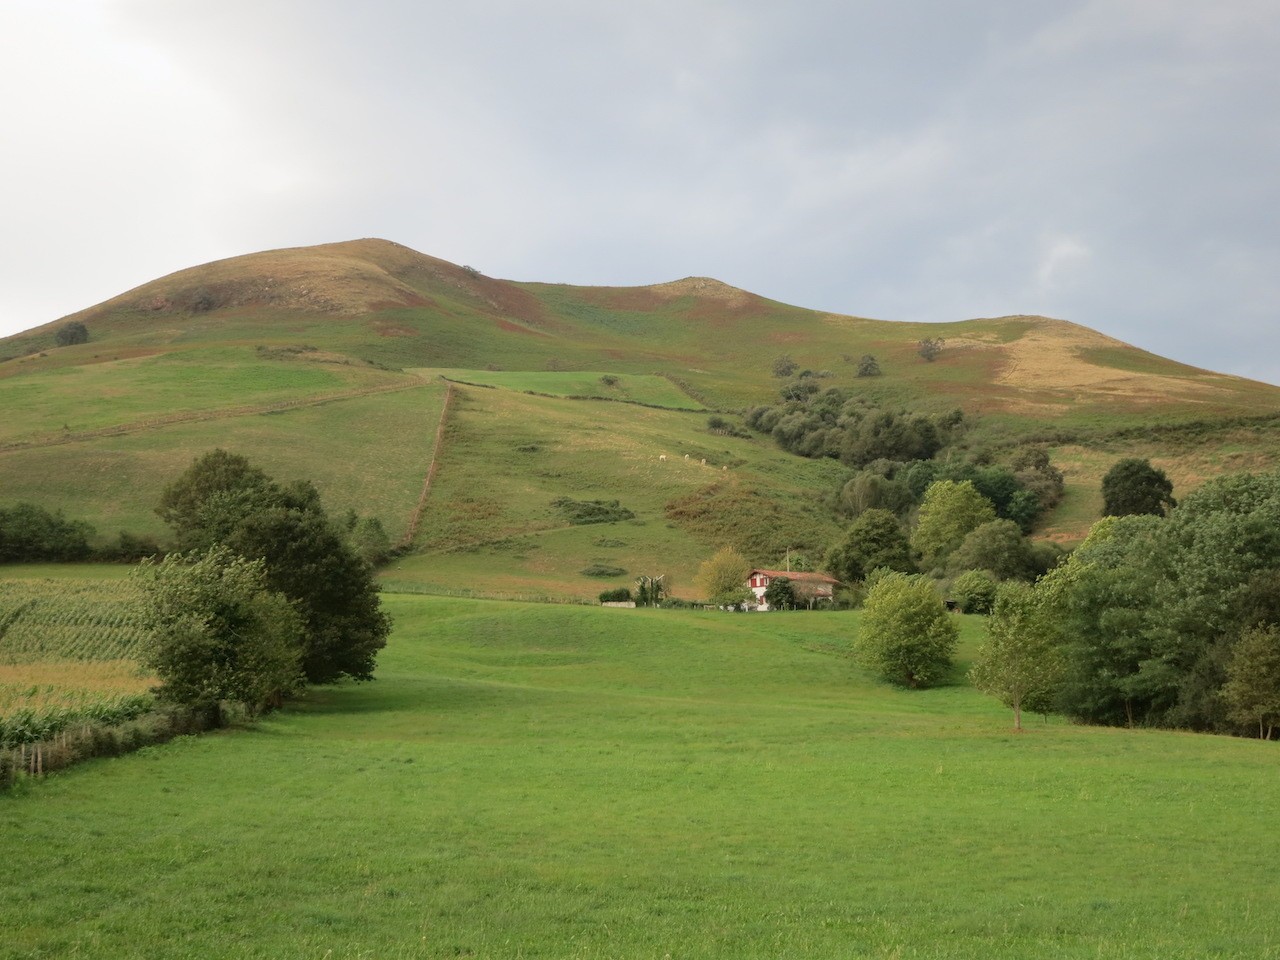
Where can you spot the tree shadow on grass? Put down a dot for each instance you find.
(425, 696)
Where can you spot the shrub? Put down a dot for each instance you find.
(974, 591)
(71, 333)
(582, 512)
(602, 570)
(616, 595)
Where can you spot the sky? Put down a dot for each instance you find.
(1111, 162)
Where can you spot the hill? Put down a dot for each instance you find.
(367, 366)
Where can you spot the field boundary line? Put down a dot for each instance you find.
(415, 518)
(201, 416)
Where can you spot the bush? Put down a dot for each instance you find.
(602, 570)
(868, 366)
(974, 591)
(71, 333)
(930, 347)
(582, 512)
(616, 595)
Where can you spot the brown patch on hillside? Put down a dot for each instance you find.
(1046, 366)
(518, 328)
(630, 299)
(410, 300)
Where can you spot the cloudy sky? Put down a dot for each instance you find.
(1111, 162)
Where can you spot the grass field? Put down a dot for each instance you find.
(366, 453)
(649, 390)
(491, 523)
(549, 781)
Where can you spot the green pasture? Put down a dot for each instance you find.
(367, 453)
(651, 390)
(508, 456)
(556, 781)
(78, 398)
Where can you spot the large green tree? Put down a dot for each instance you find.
(219, 632)
(906, 634)
(1134, 486)
(874, 540)
(998, 546)
(223, 500)
(950, 510)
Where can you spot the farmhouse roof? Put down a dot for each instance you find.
(795, 575)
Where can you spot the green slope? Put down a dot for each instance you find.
(321, 362)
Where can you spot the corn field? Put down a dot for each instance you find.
(44, 620)
(69, 655)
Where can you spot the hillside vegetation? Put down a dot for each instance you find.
(331, 363)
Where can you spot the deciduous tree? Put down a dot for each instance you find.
(906, 634)
(219, 632)
(723, 578)
(1020, 662)
(223, 500)
(780, 594)
(1252, 690)
(1134, 486)
(874, 540)
(949, 511)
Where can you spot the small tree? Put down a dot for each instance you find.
(1252, 690)
(930, 347)
(71, 333)
(650, 591)
(368, 538)
(723, 578)
(1020, 662)
(780, 594)
(868, 366)
(784, 366)
(219, 633)
(1134, 486)
(907, 636)
(974, 591)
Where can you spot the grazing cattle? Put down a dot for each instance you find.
(725, 467)
(686, 456)
(662, 457)
(704, 461)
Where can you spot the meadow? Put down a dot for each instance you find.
(560, 781)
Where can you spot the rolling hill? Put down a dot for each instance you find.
(367, 366)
